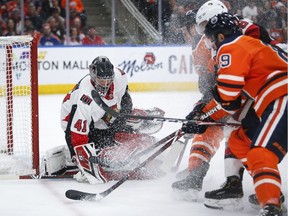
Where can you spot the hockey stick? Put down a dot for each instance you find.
(79, 195)
(97, 98)
(175, 169)
(174, 152)
(150, 148)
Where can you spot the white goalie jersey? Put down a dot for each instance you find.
(86, 111)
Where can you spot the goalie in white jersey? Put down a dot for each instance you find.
(98, 142)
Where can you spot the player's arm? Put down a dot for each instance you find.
(227, 94)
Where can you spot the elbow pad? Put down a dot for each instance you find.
(227, 105)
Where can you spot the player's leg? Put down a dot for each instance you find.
(203, 148)
(229, 195)
(269, 146)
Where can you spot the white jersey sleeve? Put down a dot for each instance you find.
(79, 111)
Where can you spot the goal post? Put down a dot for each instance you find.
(19, 133)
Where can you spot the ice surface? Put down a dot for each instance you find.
(133, 198)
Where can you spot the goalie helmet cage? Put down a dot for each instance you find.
(19, 133)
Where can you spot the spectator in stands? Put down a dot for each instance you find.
(11, 5)
(250, 11)
(47, 37)
(48, 6)
(74, 14)
(77, 4)
(16, 17)
(76, 9)
(74, 37)
(2, 26)
(10, 28)
(28, 23)
(55, 12)
(57, 29)
(78, 24)
(35, 17)
(92, 38)
(31, 31)
(4, 12)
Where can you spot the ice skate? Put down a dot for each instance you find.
(228, 197)
(255, 204)
(271, 210)
(188, 188)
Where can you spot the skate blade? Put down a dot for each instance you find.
(233, 204)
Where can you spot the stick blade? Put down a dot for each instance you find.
(79, 195)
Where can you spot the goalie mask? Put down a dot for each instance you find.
(102, 74)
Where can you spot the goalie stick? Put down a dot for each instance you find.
(79, 195)
(97, 98)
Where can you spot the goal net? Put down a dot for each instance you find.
(19, 149)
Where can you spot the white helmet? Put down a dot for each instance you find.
(206, 12)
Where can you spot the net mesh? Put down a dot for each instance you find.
(15, 106)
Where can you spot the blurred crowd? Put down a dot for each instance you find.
(47, 19)
(271, 14)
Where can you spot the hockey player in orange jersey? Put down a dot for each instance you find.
(204, 146)
(250, 70)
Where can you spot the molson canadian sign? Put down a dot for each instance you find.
(149, 68)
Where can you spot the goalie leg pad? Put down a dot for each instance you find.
(90, 168)
(57, 161)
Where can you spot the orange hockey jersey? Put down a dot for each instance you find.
(247, 65)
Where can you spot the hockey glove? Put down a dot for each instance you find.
(193, 127)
